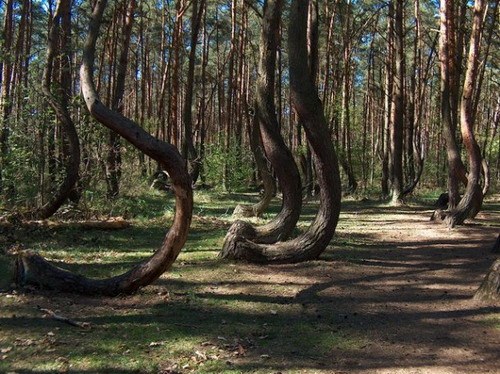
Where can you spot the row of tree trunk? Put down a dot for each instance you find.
(265, 244)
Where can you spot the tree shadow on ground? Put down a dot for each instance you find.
(370, 303)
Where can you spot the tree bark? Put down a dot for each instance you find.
(447, 54)
(389, 88)
(6, 188)
(345, 156)
(59, 103)
(33, 269)
(188, 149)
(490, 287)
(308, 106)
(471, 202)
(264, 171)
(242, 235)
(398, 106)
(114, 157)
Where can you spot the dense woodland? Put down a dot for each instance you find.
(333, 124)
(304, 98)
(186, 72)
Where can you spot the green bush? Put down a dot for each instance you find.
(238, 163)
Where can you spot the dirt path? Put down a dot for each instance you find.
(405, 288)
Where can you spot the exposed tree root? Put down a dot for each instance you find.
(32, 269)
(239, 243)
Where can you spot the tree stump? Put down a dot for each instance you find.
(490, 288)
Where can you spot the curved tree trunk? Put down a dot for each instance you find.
(448, 70)
(242, 233)
(305, 98)
(266, 175)
(33, 269)
(72, 161)
(471, 202)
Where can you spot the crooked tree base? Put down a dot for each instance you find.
(33, 270)
(238, 244)
(490, 288)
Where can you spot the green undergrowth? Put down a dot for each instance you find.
(205, 315)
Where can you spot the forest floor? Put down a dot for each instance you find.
(391, 294)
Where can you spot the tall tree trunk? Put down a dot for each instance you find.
(345, 118)
(188, 149)
(33, 269)
(203, 105)
(264, 171)
(229, 113)
(389, 88)
(447, 54)
(415, 138)
(471, 202)
(242, 235)
(398, 106)
(114, 158)
(174, 123)
(59, 102)
(309, 109)
(6, 188)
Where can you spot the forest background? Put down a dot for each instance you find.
(186, 70)
(411, 109)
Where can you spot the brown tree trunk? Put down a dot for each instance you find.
(264, 171)
(471, 202)
(308, 106)
(188, 149)
(174, 123)
(389, 88)
(59, 103)
(345, 156)
(203, 105)
(447, 54)
(242, 235)
(398, 106)
(415, 139)
(33, 269)
(114, 157)
(6, 188)
(490, 287)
